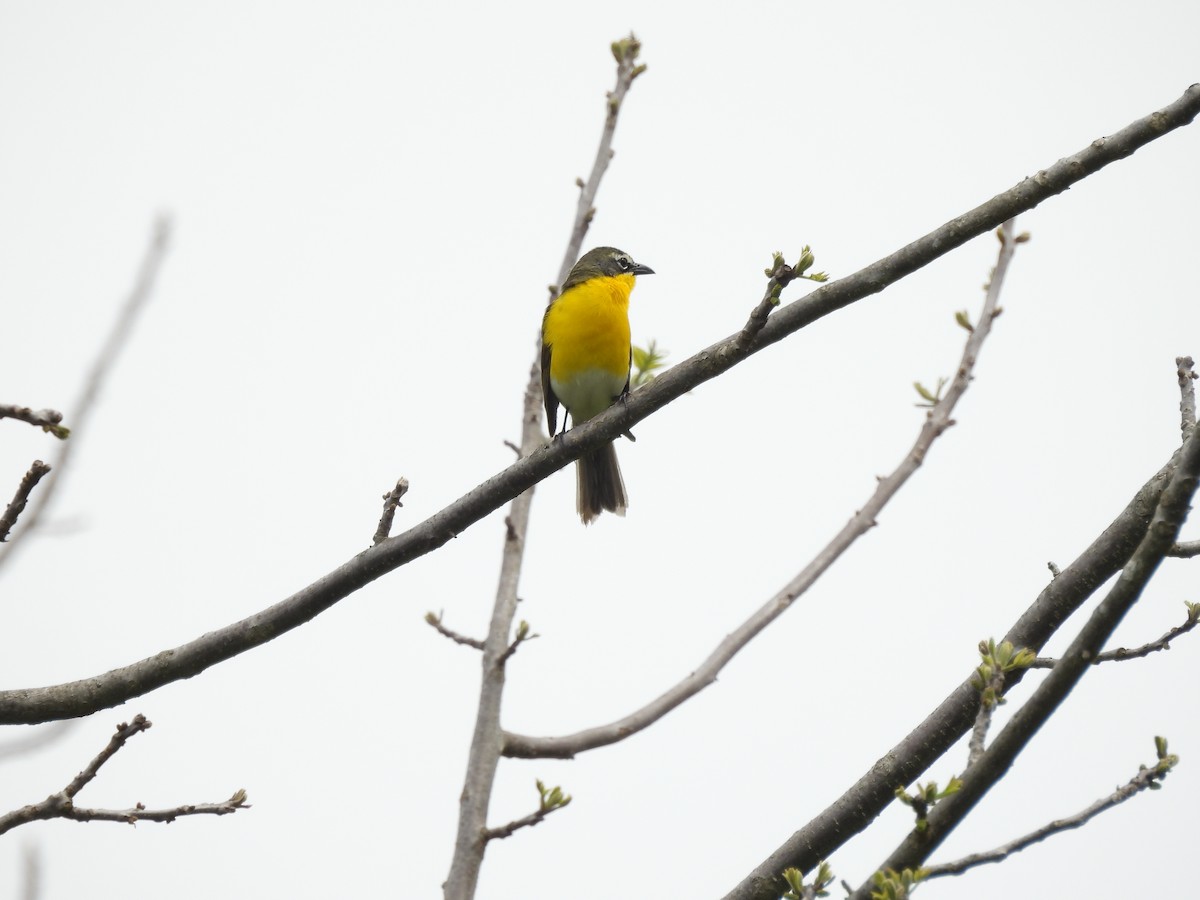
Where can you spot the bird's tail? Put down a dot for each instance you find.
(599, 484)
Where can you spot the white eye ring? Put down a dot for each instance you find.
(623, 262)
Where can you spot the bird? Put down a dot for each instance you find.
(586, 358)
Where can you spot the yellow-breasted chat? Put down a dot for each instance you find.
(586, 356)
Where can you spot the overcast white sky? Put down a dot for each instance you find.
(369, 201)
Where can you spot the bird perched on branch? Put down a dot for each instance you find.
(586, 356)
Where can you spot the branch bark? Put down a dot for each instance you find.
(83, 697)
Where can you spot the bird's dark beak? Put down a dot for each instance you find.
(639, 269)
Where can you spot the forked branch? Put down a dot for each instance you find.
(61, 805)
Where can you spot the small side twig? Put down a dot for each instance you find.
(391, 502)
(61, 805)
(1185, 549)
(1145, 778)
(779, 276)
(521, 637)
(21, 497)
(997, 661)
(1187, 393)
(1122, 653)
(47, 419)
(551, 799)
(436, 622)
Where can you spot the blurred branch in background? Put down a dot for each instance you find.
(102, 365)
(34, 741)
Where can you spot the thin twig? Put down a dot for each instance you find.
(937, 421)
(522, 636)
(1146, 778)
(1185, 549)
(436, 622)
(1187, 394)
(550, 799)
(61, 805)
(528, 821)
(47, 419)
(391, 502)
(86, 696)
(1121, 653)
(114, 344)
(21, 497)
(1027, 721)
(626, 52)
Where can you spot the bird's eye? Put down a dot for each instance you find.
(623, 262)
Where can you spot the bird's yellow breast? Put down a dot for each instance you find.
(588, 328)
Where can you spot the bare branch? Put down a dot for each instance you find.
(391, 502)
(117, 338)
(1121, 653)
(1187, 394)
(1145, 778)
(936, 422)
(21, 497)
(436, 622)
(1172, 509)
(32, 705)
(47, 419)
(140, 813)
(62, 804)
